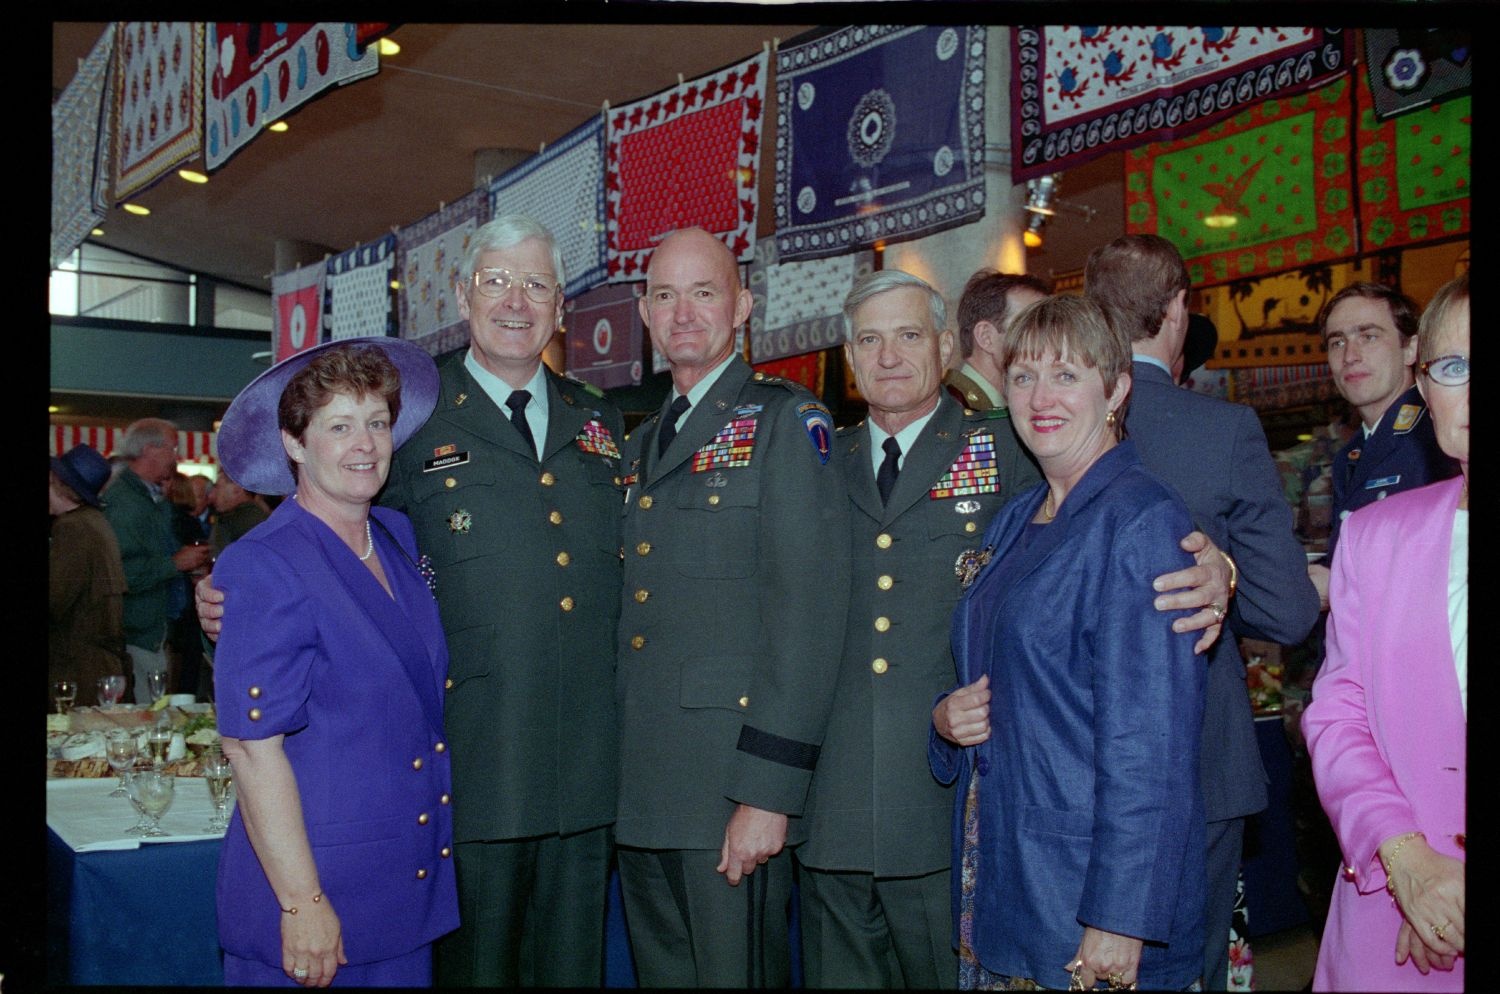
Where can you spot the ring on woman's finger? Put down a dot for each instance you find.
(1437, 930)
(1218, 611)
(300, 973)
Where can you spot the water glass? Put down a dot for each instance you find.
(111, 689)
(219, 776)
(156, 683)
(159, 741)
(152, 791)
(120, 748)
(64, 692)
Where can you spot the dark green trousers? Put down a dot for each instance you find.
(531, 913)
(864, 931)
(689, 928)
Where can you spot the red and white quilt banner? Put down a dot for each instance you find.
(158, 100)
(297, 309)
(686, 157)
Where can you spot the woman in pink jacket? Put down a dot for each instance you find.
(1386, 727)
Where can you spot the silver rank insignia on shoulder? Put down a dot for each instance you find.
(716, 480)
(967, 507)
(968, 564)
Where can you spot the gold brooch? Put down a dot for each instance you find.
(968, 564)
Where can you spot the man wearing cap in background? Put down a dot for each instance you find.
(989, 300)
(1214, 454)
(1371, 334)
(736, 589)
(85, 579)
(155, 565)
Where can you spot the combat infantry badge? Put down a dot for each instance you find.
(969, 563)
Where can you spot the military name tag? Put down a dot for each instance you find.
(1384, 481)
(975, 471)
(445, 461)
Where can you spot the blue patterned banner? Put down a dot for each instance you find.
(563, 187)
(880, 137)
(357, 301)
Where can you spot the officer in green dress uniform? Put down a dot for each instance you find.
(513, 487)
(736, 588)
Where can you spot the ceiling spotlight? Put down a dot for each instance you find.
(192, 176)
(97, 233)
(137, 209)
(387, 47)
(1033, 233)
(1221, 220)
(1040, 193)
(278, 127)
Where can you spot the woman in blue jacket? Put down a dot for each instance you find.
(1074, 731)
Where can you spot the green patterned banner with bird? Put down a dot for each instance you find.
(1267, 190)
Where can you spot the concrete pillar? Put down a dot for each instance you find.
(948, 258)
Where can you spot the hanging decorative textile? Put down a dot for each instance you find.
(1080, 92)
(297, 309)
(1409, 68)
(563, 188)
(192, 446)
(799, 305)
(1266, 190)
(357, 301)
(1413, 172)
(686, 157)
(158, 100)
(257, 73)
(604, 337)
(429, 255)
(880, 137)
(81, 130)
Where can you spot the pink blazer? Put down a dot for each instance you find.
(1386, 729)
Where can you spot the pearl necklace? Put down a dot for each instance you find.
(369, 542)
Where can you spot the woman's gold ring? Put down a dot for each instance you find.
(1437, 930)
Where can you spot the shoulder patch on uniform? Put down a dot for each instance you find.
(819, 424)
(1407, 418)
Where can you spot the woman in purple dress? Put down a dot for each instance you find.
(329, 675)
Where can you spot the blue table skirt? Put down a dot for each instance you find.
(1272, 899)
(145, 917)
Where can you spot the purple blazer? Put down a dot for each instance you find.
(314, 648)
(1386, 728)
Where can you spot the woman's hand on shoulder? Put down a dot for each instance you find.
(963, 717)
(1106, 956)
(312, 940)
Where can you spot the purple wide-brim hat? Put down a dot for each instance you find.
(250, 448)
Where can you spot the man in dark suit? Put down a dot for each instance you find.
(924, 478)
(1215, 455)
(1371, 334)
(736, 587)
(513, 487)
(989, 300)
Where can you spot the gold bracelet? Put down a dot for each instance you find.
(1234, 573)
(293, 909)
(1390, 861)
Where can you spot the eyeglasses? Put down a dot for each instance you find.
(538, 287)
(1447, 370)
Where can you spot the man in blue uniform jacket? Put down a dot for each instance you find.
(1371, 334)
(1215, 455)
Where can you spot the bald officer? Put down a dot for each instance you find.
(512, 487)
(736, 586)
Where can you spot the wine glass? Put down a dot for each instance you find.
(132, 791)
(156, 684)
(219, 775)
(120, 748)
(158, 741)
(153, 792)
(111, 689)
(64, 692)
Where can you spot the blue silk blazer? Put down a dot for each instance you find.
(1090, 810)
(314, 648)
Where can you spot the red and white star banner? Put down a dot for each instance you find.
(688, 156)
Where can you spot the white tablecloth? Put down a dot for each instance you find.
(84, 816)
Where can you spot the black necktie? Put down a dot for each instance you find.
(517, 402)
(885, 480)
(669, 425)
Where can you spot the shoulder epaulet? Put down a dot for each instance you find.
(791, 386)
(972, 416)
(586, 387)
(851, 429)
